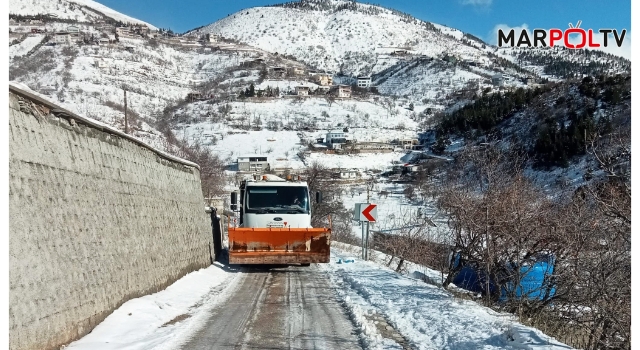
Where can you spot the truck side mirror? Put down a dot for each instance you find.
(234, 201)
(318, 197)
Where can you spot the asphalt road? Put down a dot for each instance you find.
(290, 307)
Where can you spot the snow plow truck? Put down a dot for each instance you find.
(274, 223)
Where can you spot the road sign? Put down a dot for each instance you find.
(368, 212)
(357, 210)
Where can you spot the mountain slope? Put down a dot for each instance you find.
(403, 55)
(341, 36)
(76, 10)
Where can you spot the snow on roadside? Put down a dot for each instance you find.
(162, 320)
(428, 316)
(425, 316)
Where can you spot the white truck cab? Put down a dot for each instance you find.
(269, 201)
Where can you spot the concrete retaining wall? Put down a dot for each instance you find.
(96, 218)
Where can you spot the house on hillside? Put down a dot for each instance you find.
(409, 143)
(529, 80)
(336, 136)
(497, 79)
(364, 82)
(345, 174)
(194, 96)
(278, 71)
(297, 70)
(141, 29)
(302, 90)
(62, 38)
(343, 91)
(322, 79)
(253, 163)
(212, 38)
(122, 30)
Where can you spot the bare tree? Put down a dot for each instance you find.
(331, 208)
(330, 99)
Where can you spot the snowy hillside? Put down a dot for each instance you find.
(90, 80)
(77, 10)
(404, 55)
(367, 122)
(345, 37)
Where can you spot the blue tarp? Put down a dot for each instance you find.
(534, 278)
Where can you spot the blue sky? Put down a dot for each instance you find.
(478, 17)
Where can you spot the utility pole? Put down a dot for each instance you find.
(126, 122)
(364, 249)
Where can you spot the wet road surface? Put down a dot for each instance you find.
(289, 307)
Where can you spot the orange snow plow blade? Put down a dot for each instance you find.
(279, 245)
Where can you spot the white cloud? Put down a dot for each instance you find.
(493, 35)
(477, 2)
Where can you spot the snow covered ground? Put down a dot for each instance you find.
(426, 316)
(395, 211)
(367, 121)
(363, 161)
(26, 45)
(79, 10)
(163, 319)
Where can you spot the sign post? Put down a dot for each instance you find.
(366, 213)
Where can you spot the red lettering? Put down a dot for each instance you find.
(591, 43)
(554, 35)
(570, 31)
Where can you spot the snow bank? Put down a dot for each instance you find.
(161, 320)
(427, 315)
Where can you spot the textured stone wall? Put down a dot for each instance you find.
(95, 220)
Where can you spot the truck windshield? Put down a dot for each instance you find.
(276, 199)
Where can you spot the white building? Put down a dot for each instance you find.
(346, 174)
(62, 38)
(364, 82)
(344, 91)
(254, 163)
(302, 90)
(336, 136)
(213, 38)
(322, 79)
